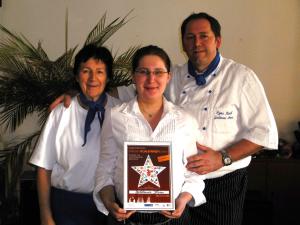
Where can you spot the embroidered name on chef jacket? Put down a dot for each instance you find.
(224, 115)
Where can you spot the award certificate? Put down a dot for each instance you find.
(148, 176)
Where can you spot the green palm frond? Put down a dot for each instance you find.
(123, 61)
(122, 68)
(13, 92)
(101, 32)
(14, 115)
(18, 46)
(29, 87)
(65, 61)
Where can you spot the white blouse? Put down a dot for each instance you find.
(126, 123)
(60, 147)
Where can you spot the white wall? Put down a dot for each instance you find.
(263, 34)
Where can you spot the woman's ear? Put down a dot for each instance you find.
(169, 76)
(133, 79)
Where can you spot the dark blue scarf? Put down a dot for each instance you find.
(94, 107)
(201, 77)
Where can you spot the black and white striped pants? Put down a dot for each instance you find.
(224, 200)
(152, 219)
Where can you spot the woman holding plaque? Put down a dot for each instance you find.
(148, 117)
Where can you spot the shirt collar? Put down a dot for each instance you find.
(133, 107)
(215, 71)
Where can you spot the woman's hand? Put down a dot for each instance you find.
(119, 213)
(180, 204)
(107, 195)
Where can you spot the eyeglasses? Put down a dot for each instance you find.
(146, 72)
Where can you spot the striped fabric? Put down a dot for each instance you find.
(225, 199)
(151, 219)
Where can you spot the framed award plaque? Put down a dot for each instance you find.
(148, 176)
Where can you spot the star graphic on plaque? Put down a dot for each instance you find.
(148, 172)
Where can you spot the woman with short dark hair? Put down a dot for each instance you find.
(68, 149)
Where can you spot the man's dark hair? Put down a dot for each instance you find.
(150, 50)
(215, 25)
(94, 52)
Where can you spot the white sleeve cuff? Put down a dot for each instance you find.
(195, 188)
(98, 202)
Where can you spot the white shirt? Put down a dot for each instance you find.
(231, 106)
(126, 123)
(60, 147)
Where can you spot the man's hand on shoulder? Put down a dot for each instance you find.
(65, 98)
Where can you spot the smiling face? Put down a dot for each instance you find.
(92, 78)
(200, 43)
(151, 78)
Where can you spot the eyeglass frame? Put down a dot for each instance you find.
(147, 72)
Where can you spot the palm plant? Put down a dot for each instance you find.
(30, 81)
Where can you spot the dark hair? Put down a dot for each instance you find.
(214, 23)
(95, 52)
(150, 50)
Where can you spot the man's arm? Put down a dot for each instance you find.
(65, 98)
(210, 160)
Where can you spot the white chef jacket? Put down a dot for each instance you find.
(126, 123)
(231, 106)
(60, 147)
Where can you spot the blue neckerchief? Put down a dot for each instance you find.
(97, 106)
(201, 77)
